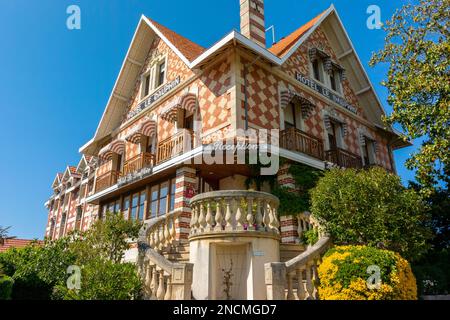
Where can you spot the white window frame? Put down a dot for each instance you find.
(152, 71)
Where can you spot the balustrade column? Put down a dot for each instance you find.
(300, 284)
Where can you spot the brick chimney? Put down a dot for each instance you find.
(252, 21)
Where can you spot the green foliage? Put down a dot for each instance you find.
(310, 237)
(104, 280)
(371, 207)
(40, 272)
(107, 238)
(6, 285)
(293, 202)
(36, 269)
(417, 50)
(432, 272)
(432, 269)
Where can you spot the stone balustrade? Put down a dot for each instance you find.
(163, 279)
(307, 222)
(234, 211)
(297, 279)
(161, 234)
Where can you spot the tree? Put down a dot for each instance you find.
(417, 50)
(432, 269)
(4, 235)
(40, 272)
(107, 238)
(371, 207)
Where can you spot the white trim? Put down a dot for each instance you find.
(159, 33)
(234, 36)
(302, 158)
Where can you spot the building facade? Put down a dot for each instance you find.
(174, 99)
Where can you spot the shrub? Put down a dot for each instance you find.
(6, 287)
(310, 237)
(344, 274)
(371, 207)
(104, 280)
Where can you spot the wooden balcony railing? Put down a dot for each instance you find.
(106, 180)
(344, 158)
(138, 162)
(173, 146)
(297, 140)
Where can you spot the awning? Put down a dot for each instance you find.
(287, 96)
(146, 128)
(187, 102)
(115, 147)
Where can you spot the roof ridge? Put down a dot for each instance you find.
(282, 47)
(187, 47)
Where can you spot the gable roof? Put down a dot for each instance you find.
(17, 243)
(283, 46)
(57, 180)
(194, 55)
(187, 48)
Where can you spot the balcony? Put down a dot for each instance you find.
(106, 180)
(344, 158)
(232, 211)
(138, 162)
(296, 140)
(174, 146)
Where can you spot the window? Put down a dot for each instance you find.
(333, 135)
(368, 152)
(162, 198)
(335, 80)
(163, 193)
(78, 218)
(134, 205)
(189, 122)
(289, 116)
(316, 64)
(173, 186)
(154, 204)
(146, 85)
(52, 228)
(142, 198)
(62, 226)
(126, 206)
(161, 74)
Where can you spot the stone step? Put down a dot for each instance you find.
(290, 250)
(179, 254)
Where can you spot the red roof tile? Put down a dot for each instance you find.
(282, 47)
(188, 48)
(16, 243)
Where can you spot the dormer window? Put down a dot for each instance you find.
(154, 77)
(317, 69)
(146, 84)
(161, 73)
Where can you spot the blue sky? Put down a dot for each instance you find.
(55, 82)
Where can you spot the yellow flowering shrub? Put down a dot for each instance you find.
(365, 273)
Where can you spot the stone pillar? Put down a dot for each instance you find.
(185, 190)
(289, 224)
(181, 281)
(275, 278)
